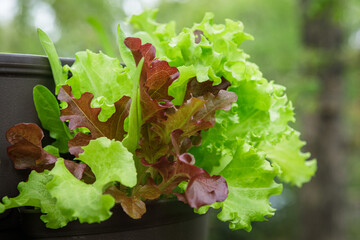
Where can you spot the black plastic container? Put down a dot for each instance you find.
(166, 219)
(18, 75)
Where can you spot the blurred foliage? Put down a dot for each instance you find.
(72, 30)
(278, 50)
(351, 23)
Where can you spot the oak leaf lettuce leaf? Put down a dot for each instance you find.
(79, 113)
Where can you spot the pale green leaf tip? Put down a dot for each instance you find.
(152, 12)
(120, 33)
(209, 15)
(312, 168)
(42, 35)
(312, 164)
(39, 31)
(39, 87)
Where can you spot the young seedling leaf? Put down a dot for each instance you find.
(60, 76)
(48, 111)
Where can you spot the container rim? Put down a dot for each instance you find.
(15, 64)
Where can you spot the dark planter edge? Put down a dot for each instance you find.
(34, 66)
(159, 213)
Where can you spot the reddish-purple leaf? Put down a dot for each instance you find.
(222, 100)
(174, 173)
(155, 79)
(150, 108)
(187, 157)
(26, 150)
(139, 51)
(182, 144)
(183, 118)
(181, 197)
(198, 34)
(132, 206)
(116, 121)
(148, 191)
(80, 114)
(88, 175)
(80, 140)
(77, 169)
(197, 89)
(151, 146)
(202, 188)
(29, 132)
(205, 190)
(176, 140)
(159, 77)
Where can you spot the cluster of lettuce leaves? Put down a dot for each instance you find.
(187, 116)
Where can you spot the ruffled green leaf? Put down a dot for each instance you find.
(152, 31)
(178, 88)
(292, 162)
(34, 193)
(76, 199)
(260, 116)
(65, 198)
(102, 76)
(110, 161)
(207, 50)
(250, 180)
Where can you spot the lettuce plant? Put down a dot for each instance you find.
(187, 116)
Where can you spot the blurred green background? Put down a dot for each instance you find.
(310, 46)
